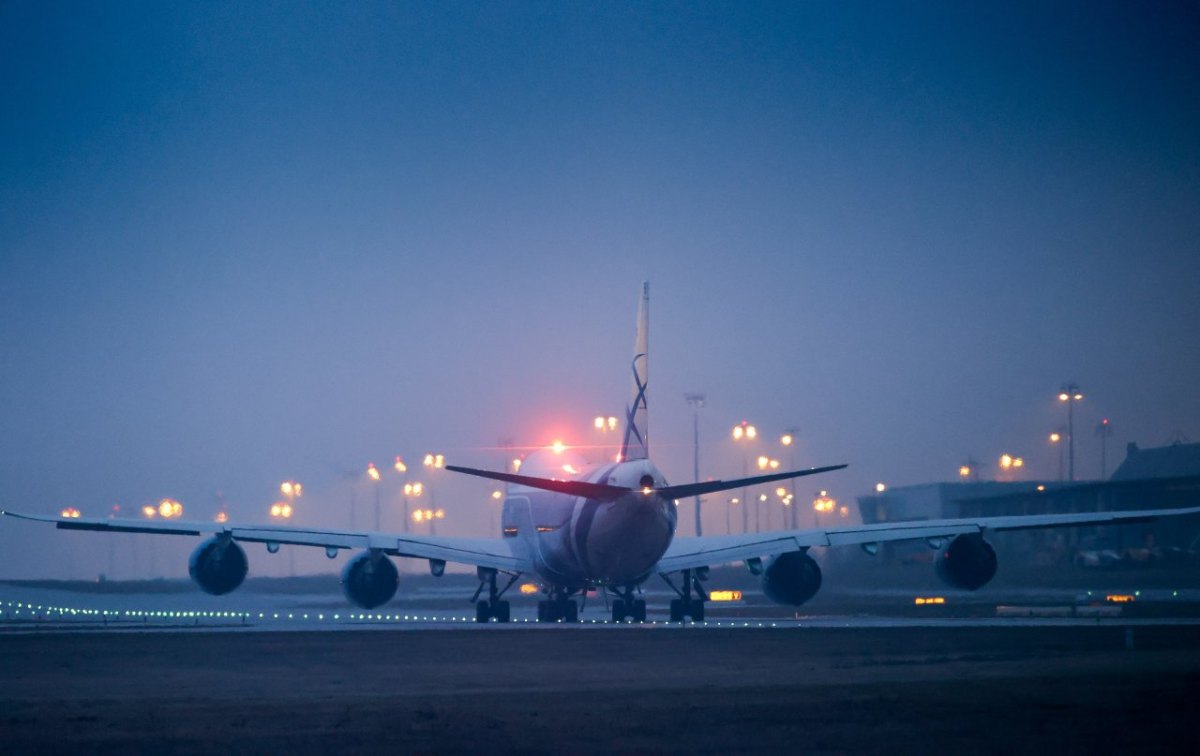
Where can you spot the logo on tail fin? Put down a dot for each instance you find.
(636, 444)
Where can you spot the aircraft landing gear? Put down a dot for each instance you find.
(493, 606)
(559, 607)
(627, 607)
(687, 605)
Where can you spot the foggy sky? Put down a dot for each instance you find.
(242, 242)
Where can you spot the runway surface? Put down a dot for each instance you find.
(552, 689)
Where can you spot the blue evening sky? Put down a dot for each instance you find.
(247, 241)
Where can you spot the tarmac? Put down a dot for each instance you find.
(869, 672)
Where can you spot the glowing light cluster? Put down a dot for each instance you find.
(170, 509)
(372, 472)
(765, 463)
(744, 430)
(436, 461)
(929, 600)
(415, 488)
(428, 515)
(824, 502)
(1009, 462)
(70, 512)
(291, 489)
(605, 423)
(281, 510)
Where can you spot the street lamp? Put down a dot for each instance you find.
(744, 433)
(1070, 394)
(1056, 439)
(411, 489)
(696, 402)
(373, 474)
(1104, 430)
(822, 502)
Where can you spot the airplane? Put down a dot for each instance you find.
(609, 527)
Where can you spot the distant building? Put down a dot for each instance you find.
(1164, 477)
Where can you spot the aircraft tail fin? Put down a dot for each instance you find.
(636, 443)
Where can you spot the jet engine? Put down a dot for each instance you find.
(218, 565)
(791, 578)
(370, 579)
(969, 562)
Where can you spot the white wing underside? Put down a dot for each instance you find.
(478, 552)
(689, 553)
(684, 552)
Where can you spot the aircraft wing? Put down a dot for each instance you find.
(689, 553)
(478, 552)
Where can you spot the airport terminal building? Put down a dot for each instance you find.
(1162, 477)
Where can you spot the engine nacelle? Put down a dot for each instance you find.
(218, 565)
(791, 578)
(370, 579)
(969, 562)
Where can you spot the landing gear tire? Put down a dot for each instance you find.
(676, 610)
(572, 611)
(697, 611)
(485, 611)
(618, 610)
(639, 610)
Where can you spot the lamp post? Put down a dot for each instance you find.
(788, 440)
(605, 425)
(696, 402)
(745, 433)
(373, 474)
(1104, 430)
(282, 511)
(1070, 394)
(1056, 439)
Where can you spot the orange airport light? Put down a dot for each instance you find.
(528, 589)
(929, 600)
(1120, 598)
(724, 595)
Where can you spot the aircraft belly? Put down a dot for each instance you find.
(625, 539)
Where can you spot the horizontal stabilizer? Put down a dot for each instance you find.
(712, 486)
(597, 491)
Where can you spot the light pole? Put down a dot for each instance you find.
(696, 402)
(744, 433)
(764, 463)
(411, 489)
(1070, 394)
(1104, 430)
(402, 469)
(605, 425)
(373, 474)
(1056, 439)
(788, 439)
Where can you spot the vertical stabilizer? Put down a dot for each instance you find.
(636, 444)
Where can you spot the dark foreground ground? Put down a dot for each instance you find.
(634, 689)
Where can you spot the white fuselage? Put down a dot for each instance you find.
(575, 542)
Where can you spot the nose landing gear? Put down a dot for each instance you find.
(560, 606)
(626, 607)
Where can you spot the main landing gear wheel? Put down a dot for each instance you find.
(687, 605)
(560, 607)
(492, 606)
(628, 608)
